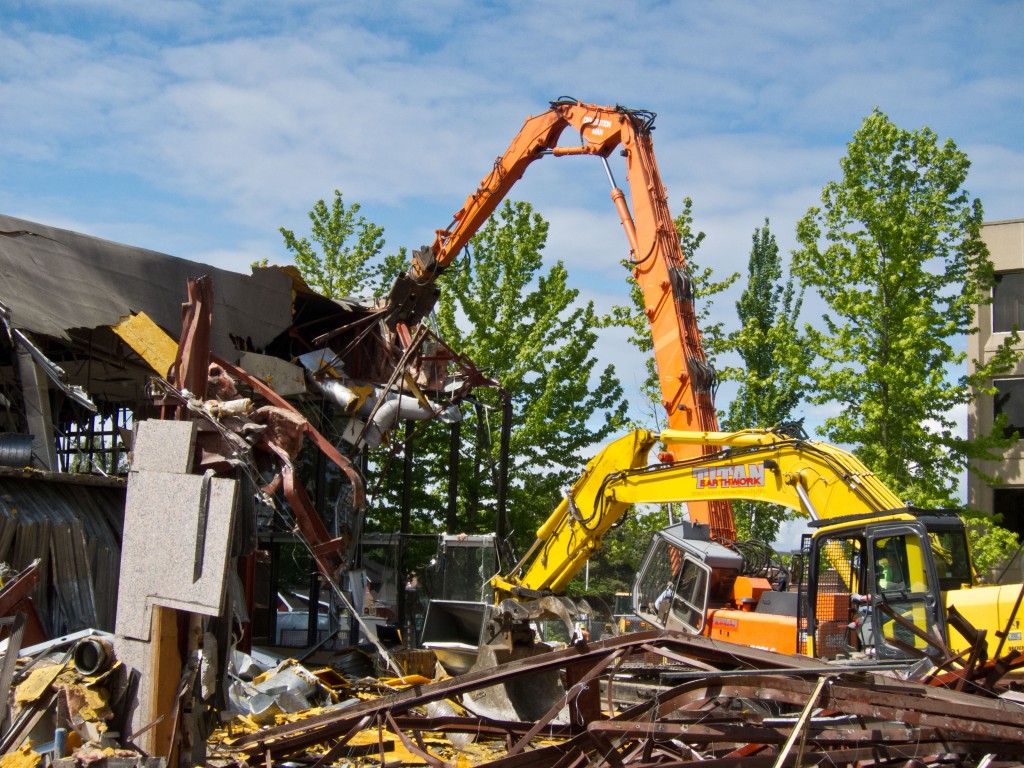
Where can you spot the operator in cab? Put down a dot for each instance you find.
(664, 601)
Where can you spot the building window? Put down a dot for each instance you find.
(1008, 302)
(1009, 401)
(1009, 502)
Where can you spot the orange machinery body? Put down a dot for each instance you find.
(686, 378)
(777, 632)
(745, 625)
(755, 630)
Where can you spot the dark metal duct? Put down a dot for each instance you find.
(15, 450)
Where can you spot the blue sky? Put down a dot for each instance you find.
(199, 128)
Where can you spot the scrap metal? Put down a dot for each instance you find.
(746, 708)
(734, 706)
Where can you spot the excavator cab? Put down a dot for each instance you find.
(683, 574)
(950, 548)
(872, 589)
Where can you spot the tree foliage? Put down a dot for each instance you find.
(348, 261)
(896, 255)
(769, 342)
(774, 359)
(992, 546)
(525, 327)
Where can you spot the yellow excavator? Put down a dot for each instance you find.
(877, 579)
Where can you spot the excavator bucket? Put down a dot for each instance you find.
(524, 698)
(454, 631)
(467, 636)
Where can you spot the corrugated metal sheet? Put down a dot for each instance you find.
(75, 530)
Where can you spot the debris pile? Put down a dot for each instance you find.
(727, 705)
(65, 700)
(643, 699)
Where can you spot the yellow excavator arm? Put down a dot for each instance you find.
(818, 479)
(573, 532)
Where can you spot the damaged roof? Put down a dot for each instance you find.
(54, 280)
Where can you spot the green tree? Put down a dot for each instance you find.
(991, 544)
(349, 257)
(895, 252)
(775, 357)
(525, 328)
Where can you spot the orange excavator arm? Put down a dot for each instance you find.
(686, 378)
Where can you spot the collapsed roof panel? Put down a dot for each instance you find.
(54, 280)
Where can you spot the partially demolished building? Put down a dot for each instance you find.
(152, 415)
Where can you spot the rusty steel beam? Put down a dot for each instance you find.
(423, 753)
(478, 725)
(192, 361)
(292, 737)
(358, 488)
(326, 551)
(570, 696)
(914, 705)
(892, 719)
(702, 733)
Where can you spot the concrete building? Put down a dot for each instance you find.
(1005, 240)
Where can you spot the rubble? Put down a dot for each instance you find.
(732, 706)
(704, 701)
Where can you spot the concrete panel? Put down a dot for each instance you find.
(163, 446)
(159, 554)
(1005, 241)
(137, 657)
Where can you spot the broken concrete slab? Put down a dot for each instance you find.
(169, 529)
(164, 446)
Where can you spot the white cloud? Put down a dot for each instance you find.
(199, 128)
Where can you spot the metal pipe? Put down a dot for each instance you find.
(15, 450)
(806, 501)
(396, 407)
(501, 524)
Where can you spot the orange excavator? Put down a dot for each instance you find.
(687, 379)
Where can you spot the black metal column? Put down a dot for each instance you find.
(400, 596)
